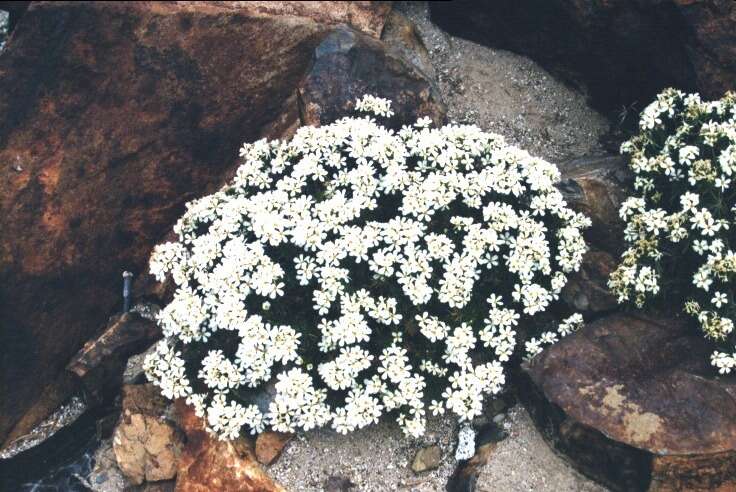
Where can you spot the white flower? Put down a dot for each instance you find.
(351, 268)
(719, 299)
(689, 161)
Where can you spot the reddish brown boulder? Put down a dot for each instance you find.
(623, 51)
(208, 464)
(114, 116)
(634, 403)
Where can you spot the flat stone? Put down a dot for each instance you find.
(101, 363)
(427, 459)
(634, 402)
(146, 445)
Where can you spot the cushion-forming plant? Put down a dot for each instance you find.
(679, 223)
(355, 271)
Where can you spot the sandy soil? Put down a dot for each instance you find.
(373, 459)
(378, 458)
(509, 94)
(524, 462)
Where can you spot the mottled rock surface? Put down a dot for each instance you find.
(269, 445)
(349, 64)
(623, 51)
(634, 402)
(402, 35)
(587, 289)
(146, 445)
(209, 464)
(101, 363)
(116, 115)
(426, 459)
(596, 186)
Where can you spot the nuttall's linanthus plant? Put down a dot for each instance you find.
(359, 271)
(679, 222)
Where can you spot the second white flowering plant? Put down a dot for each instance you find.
(357, 271)
(679, 224)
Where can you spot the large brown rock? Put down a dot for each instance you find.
(623, 51)
(208, 464)
(114, 116)
(634, 403)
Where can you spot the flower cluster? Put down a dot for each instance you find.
(678, 225)
(354, 271)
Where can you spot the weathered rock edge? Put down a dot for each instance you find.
(598, 399)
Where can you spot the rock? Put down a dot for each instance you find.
(101, 363)
(105, 476)
(587, 290)
(146, 445)
(209, 464)
(338, 483)
(623, 51)
(269, 446)
(466, 474)
(117, 114)
(427, 459)
(366, 16)
(596, 186)
(401, 35)
(348, 65)
(634, 403)
(134, 372)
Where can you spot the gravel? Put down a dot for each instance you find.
(524, 462)
(376, 458)
(509, 94)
